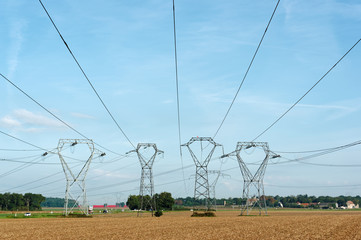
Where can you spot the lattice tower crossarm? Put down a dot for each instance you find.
(74, 180)
(252, 180)
(146, 181)
(201, 185)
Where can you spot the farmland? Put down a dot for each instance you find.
(179, 225)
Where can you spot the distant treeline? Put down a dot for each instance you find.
(20, 202)
(57, 202)
(163, 201)
(274, 201)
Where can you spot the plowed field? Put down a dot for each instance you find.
(179, 225)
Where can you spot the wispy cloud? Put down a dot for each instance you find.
(333, 110)
(35, 119)
(112, 174)
(24, 120)
(9, 122)
(17, 38)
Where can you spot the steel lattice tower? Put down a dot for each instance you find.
(212, 187)
(252, 180)
(76, 180)
(146, 181)
(201, 188)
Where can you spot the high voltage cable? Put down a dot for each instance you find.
(52, 114)
(177, 88)
(130, 181)
(324, 149)
(103, 163)
(128, 190)
(23, 141)
(135, 180)
(278, 119)
(313, 186)
(134, 189)
(81, 69)
(317, 154)
(19, 150)
(301, 159)
(17, 161)
(33, 181)
(330, 165)
(246, 73)
(21, 158)
(25, 165)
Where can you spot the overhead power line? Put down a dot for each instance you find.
(278, 119)
(19, 150)
(177, 89)
(25, 165)
(321, 153)
(246, 73)
(301, 159)
(23, 141)
(51, 175)
(137, 180)
(324, 149)
(52, 114)
(314, 186)
(81, 69)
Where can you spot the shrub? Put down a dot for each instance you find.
(203, 214)
(158, 213)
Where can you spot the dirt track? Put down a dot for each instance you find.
(179, 225)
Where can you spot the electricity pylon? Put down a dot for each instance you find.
(212, 187)
(146, 181)
(252, 180)
(76, 180)
(201, 188)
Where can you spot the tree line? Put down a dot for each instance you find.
(274, 201)
(163, 201)
(57, 202)
(20, 202)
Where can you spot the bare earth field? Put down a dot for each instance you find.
(179, 225)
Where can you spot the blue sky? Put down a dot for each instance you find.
(127, 51)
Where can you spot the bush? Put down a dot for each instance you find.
(158, 213)
(203, 214)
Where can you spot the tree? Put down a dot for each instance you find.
(33, 201)
(133, 202)
(164, 201)
(17, 201)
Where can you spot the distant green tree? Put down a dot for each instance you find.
(133, 202)
(164, 201)
(17, 201)
(33, 201)
(57, 202)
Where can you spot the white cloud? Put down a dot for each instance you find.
(111, 174)
(231, 186)
(26, 116)
(17, 41)
(26, 121)
(10, 122)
